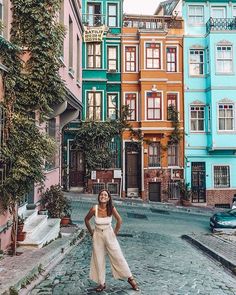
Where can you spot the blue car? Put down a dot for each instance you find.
(225, 219)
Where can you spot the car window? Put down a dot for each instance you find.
(233, 212)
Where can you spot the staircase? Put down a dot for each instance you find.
(40, 230)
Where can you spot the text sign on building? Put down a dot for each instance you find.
(93, 34)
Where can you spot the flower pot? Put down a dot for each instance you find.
(21, 236)
(65, 220)
(20, 228)
(186, 202)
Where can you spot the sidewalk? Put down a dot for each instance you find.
(221, 247)
(18, 271)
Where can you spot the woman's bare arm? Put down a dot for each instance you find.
(118, 220)
(87, 219)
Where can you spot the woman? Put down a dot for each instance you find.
(105, 241)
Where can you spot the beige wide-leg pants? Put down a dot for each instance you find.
(105, 242)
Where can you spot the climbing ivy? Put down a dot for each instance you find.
(32, 85)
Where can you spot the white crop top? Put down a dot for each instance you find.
(102, 220)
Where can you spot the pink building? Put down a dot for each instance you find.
(69, 110)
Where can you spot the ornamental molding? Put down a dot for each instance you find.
(197, 102)
(197, 46)
(224, 42)
(226, 100)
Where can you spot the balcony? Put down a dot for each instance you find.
(93, 20)
(152, 23)
(220, 24)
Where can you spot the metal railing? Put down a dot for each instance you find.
(221, 24)
(151, 23)
(93, 20)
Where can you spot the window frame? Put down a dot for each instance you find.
(172, 99)
(220, 186)
(194, 15)
(223, 8)
(112, 59)
(130, 61)
(234, 11)
(171, 155)
(171, 62)
(112, 16)
(225, 118)
(197, 118)
(158, 47)
(131, 96)
(112, 107)
(217, 59)
(94, 106)
(157, 157)
(197, 63)
(158, 95)
(94, 55)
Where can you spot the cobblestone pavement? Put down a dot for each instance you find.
(160, 260)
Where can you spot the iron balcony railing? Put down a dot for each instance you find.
(151, 23)
(221, 24)
(93, 20)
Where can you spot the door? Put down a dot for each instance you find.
(155, 191)
(133, 170)
(198, 182)
(76, 168)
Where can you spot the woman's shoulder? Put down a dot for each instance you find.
(93, 208)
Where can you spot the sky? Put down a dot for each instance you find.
(140, 6)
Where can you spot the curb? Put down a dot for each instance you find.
(42, 267)
(225, 262)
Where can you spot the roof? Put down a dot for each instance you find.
(167, 6)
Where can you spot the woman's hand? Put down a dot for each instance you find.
(92, 232)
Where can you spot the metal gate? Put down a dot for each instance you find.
(155, 191)
(198, 182)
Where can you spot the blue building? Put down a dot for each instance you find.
(210, 100)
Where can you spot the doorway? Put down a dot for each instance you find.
(198, 182)
(155, 191)
(76, 168)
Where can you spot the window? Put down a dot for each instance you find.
(112, 15)
(153, 60)
(94, 105)
(171, 62)
(218, 12)
(154, 155)
(70, 43)
(196, 63)
(171, 104)
(207, 61)
(154, 106)
(112, 110)
(234, 11)
(130, 101)
(51, 131)
(112, 58)
(130, 59)
(197, 117)
(196, 14)
(114, 147)
(221, 176)
(224, 59)
(226, 117)
(78, 67)
(94, 55)
(172, 154)
(94, 15)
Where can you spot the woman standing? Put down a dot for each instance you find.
(105, 241)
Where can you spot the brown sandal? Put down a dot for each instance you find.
(100, 288)
(133, 284)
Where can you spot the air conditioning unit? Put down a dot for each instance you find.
(177, 173)
(132, 193)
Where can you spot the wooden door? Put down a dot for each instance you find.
(155, 191)
(76, 168)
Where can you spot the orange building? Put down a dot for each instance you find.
(152, 88)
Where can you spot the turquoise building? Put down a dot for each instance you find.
(210, 100)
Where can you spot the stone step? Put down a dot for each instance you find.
(35, 223)
(29, 215)
(48, 232)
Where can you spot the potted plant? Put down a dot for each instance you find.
(56, 203)
(20, 233)
(185, 193)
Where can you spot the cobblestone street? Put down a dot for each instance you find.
(161, 261)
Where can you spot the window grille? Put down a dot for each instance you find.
(97, 187)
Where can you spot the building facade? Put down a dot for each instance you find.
(152, 87)
(210, 97)
(102, 78)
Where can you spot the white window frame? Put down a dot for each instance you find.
(136, 103)
(219, 7)
(94, 106)
(136, 57)
(116, 58)
(161, 55)
(224, 59)
(228, 177)
(176, 61)
(203, 62)
(116, 107)
(194, 15)
(233, 118)
(234, 11)
(197, 119)
(117, 16)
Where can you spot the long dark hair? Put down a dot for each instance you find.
(109, 203)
